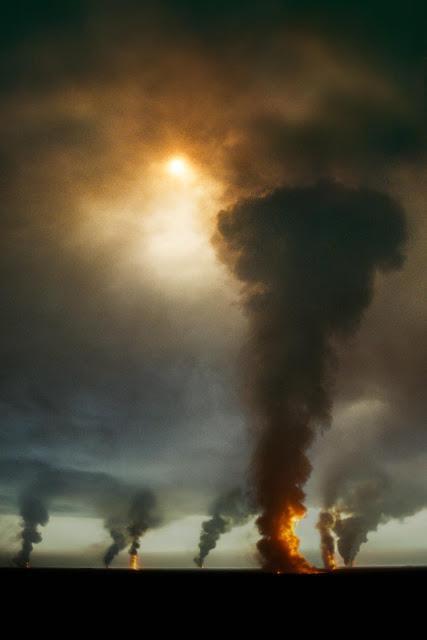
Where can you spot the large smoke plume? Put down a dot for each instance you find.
(228, 511)
(307, 259)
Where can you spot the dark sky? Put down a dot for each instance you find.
(121, 330)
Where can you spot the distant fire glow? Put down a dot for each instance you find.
(134, 562)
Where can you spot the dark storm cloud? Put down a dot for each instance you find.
(98, 363)
(128, 510)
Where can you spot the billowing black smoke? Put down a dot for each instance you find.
(127, 510)
(140, 514)
(230, 510)
(34, 514)
(119, 538)
(143, 515)
(352, 532)
(364, 496)
(307, 259)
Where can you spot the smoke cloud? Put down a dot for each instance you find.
(307, 258)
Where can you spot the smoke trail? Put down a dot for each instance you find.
(325, 525)
(228, 511)
(34, 513)
(307, 258)
(119, 537)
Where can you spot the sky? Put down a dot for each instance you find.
(130, 133)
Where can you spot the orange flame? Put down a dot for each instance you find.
(133, 561)
(330, 561)
(290, 540)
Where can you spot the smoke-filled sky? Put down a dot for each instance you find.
(130, 133)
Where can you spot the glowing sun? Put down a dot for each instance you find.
(178, 166)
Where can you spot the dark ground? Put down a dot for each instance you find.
(149, 575)
(197, 599)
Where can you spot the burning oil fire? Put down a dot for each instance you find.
(325, 525)
(133, 561)
(329, 560)
(290, 541)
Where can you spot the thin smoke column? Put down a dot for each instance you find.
(120, 539)
(325, 525)
(306, 258)
(143, 515)
(228, 511)
(34, 513)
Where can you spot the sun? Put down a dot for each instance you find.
(178, 166)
